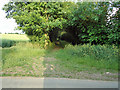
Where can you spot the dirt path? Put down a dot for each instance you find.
(49, 67)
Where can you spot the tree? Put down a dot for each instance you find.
(37, 19)
(114, 24)
(76, 23)
(89, 24)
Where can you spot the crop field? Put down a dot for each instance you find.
(16, 37)
(8, 40)
(98, 62)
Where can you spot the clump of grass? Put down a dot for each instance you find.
(99, 56)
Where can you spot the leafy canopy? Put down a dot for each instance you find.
(76, 23)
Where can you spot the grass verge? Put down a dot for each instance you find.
(81, 62)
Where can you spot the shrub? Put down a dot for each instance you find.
(7, 43)
(97, 52)
(96, 56)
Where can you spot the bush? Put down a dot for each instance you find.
(7, 43)
(96, 56)
(97, 52)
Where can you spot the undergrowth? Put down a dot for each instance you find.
(99, 56)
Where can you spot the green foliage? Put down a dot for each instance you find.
(7, 43)
(114, 25)
(83, 22)
(98, 52)
(99, 56)
(45, 41)
(37, 19)
(89, 22)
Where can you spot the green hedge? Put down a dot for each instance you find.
(97, 52)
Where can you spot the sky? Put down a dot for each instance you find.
(6, 25)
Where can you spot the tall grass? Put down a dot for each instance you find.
(99, 56)
(20, 55)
